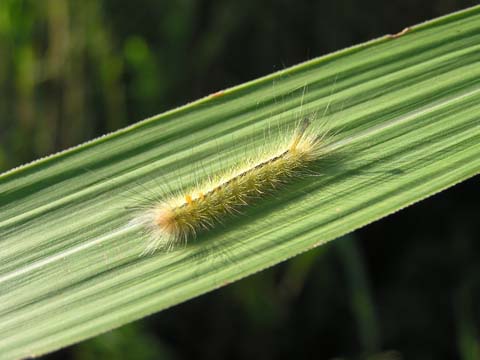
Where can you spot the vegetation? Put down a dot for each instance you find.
(406, 106)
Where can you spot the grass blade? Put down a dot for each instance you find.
(407, 105)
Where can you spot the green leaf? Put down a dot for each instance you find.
(405, 110)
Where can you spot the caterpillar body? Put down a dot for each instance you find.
(171, 222)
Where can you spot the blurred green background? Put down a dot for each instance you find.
(406, 287)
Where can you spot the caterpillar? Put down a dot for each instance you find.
(173, 221)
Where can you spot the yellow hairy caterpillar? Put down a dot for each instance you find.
(172, 221)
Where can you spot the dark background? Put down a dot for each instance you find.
(405, 287)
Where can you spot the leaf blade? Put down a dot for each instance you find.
(69, 268)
